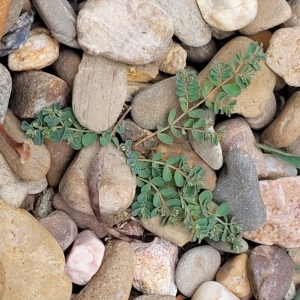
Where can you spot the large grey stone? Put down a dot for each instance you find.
(238, 186)
(115, 29)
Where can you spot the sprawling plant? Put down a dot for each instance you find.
(171, 188)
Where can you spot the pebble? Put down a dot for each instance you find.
(99, 92)
(43, 206)
(281, 198)
(294, 19)
(220, 34)
(115, 30)
(4, 10)
(269, 14)
(270, 271)
(277, 167)
(37, 186)
(66, 65)
(2, 280)
(186, 17)
(238, 186)
(142, 73)
(155, 267)
(196, 266)
(285, 129)
(61, 155)
(17, 35)
(201, 54)
(211, 154)
(114, 279)
(13, 189)
(133, 88)
(265, 117)
(233, 275)
(32, 261)
(85, 257)
(212, 290)
(38, 164)
(227, 246)
(39, 51)
(62, 227)
(294, 147)
(5, 91)
(239, 135)
(294, 253)
(261, 86)
(35, 90)
(174, 61)
(228, 15)
(282, 54)
(13, 14)
(60, 19)
(155, 297)
(175, 234)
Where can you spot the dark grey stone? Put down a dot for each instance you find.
(18, 34)
(238, 186)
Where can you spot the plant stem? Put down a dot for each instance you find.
(120, 120)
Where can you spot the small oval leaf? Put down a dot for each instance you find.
(165, 138)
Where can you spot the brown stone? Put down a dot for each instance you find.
(114, 278)
(263, 37)
(133, 88)
(34, 90)
(37, 166)
(4, 9)
(61, 156)
(142, 73)
(285, 129)
(281, 198)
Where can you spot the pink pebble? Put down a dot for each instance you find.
(85, 257)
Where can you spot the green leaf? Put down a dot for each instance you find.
(179, 179)
(209, 105)
(156, 200)
(38, 139)
(173, 203)
(206, 88)
(121, 128)
(165, 138)
(198, 136)
(167, 175)
(252, 48)
(240, 82)
(200, 123)
(222, 210)
(232, 89)
(136, 212)
(233, 63)
(168, 193)
(175, 131)
(68, 133)
(105, 139)
(183, 106)
(51, 121)
(56, 136)
(189, 123)
(154, 213)
(175, 159)
(205, 195)
(172, 115)
(158, 181)
(221, 96)
(89, 138)
(213, 80)
(197, 113)
(157, 156)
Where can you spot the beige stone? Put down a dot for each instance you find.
(285, 129)
(233, 275)
(99, 92)
(37, 166)
(228, 15)
(283, 55)
(142, 73)
(294, 19)
(269, 14)
(281, 198)
(4, 10)
(239, 136)
(175, 60)
(32, 259)
(261, 86)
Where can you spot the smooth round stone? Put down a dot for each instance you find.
(196, 266)
(37, 186)
(212, 290)
(228, 15)
(115, 30)
(283, 53)
(39, 51)
(5, 90)
(60, 19)
(13, 14)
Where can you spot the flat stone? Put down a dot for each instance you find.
(114, 279)
(66, 65)
(196, 266)
(285, 129)
(39, 254)
(34, 90)
(38, 164)
(17, 35)
(228, 15)
(270, 271)
(5, 91)
(99, 92)
(282, 54)
(115, 30)
(142, 73)
(39, 51)
(155, 267)
(252, 100)
(4, 10)
(13, 189)
(62, 227)
(281, 198)
(60, 19)
(13, 14)
(186, 17)
(269, 14)
(238, 186)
